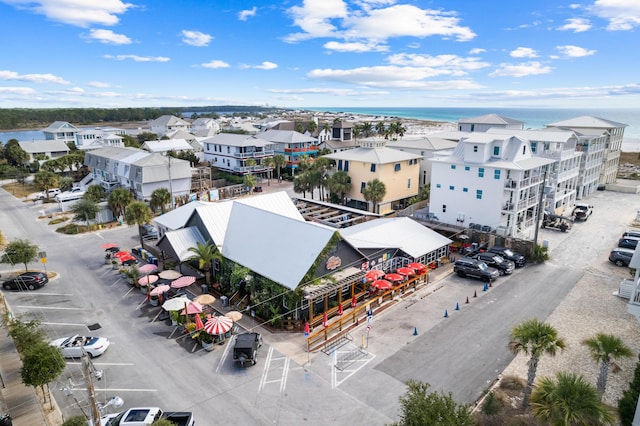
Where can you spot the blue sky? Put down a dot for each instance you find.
(319, 53)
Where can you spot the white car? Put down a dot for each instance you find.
(71, 347)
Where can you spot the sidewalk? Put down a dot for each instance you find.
(20, 401)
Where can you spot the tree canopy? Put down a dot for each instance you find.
(20, 251)
(419, 407)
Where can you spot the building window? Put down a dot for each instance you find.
(479, 194)
(496, 150)
(339, 165)
(451, 187)
(534, 146)
(363, 185)
(465, 189)
(373, 168)
(444, 208)
(480, 171)
(438, 185)
(524, 149)
(453, 167)
(475, 148)
(396, 168)
(467, 168)
(496, 174)
(346, 165)
(408, 183)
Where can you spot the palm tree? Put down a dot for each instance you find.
(205, 254)
(160, 198)
(356, 131)
(321, 165)
(45, 181)
(569, 400)
(312, 126)
(374, 192)
(279, 162)
(118, 200)
(301, 184)
(604, 349)
(380, 128)
(85, 209)
(339, 183)
(367, 129)
(535, 339)
(249, 181)
(94, 193)
(269, 164)
(326, 127)
(138, 213)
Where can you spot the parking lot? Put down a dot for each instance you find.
(146, 365)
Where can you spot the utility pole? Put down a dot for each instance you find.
(86, 370)
(170, 186)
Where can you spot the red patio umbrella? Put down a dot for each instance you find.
(393, 277)
(199, 324)
(218, 325)
(107, 246)
(149, 279)
(382, 284)
(418, 267)
(406, 271)
(340, 311)
(354, 301)
(159, 290)
(184, 281)
(121, 253)
(374, 274)
(325, 320)
(192, 308)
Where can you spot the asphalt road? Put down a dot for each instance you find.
(462, 354)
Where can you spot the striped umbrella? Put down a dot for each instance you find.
(218, 325)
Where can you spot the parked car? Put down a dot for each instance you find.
(246, 348)
(555, 221)
(26, 281)
(509, 254)
(468, 267)
(71, 347)
(631, 233)
(149, 232)
(628, 242)
(581, 212)
(52, 193)
(494, 260)
(621, 256)
(139, 416)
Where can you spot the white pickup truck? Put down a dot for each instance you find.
(74, 193)
(145, 416)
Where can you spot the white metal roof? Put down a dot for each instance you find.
(546, 135)
(490, 119)
(167, 145)
(588, 121)
(274, 246)
(182, 239)
(176, 219)
(381, 155)
(400, 232)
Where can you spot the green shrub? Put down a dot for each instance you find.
(75, 421)
(539, 254)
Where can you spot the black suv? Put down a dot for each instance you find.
(246, 348)
(26, 281)
(504, 266)
(621, 256)
(468, 267)
(509, 254)
(628, 242)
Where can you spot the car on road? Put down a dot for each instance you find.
(494, 260)
(149, 232)
(509, 254)
(628, 242)
(582, 212)
(621, 256)
(26, 281)
(74, 346)
(468, 267)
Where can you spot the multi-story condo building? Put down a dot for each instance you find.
(595, 126)
(426, 147)
(561, 181)
(592, 148)
(293, 145)
(139, 171)
(491, 182)
(399, 171)
(231, 152)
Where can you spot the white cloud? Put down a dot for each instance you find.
(24, 91)
(108, 37)
(575, 51)
(137, 58)
(216, 64)
(523, 52)
(577, 25)
(623, 15)
(195, 38)
(375, 21)
(32, 78)
(477, 51)
(355, 47)
(245, 14)
(329, 91)
(98, 84)
(78, 13)
(521, 70)
(454, 64)
(266, 65)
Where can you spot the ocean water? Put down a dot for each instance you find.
(534, 118)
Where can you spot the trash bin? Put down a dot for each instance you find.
(152, 259)
(204, 288)
(225, 301)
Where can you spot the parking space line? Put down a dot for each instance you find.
(39, 293)
(70, 324)
(116, 390)
(51, 308)
(116, 364)
(225, 354)
(265, 370)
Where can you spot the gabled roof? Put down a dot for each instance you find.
(34, 147)
(56, 126)
(180, 134)
(546, 135)
(165, 145)
(180, 241)
(399, 232)
(490, 119)
(253, 246)
(587, 121)
(233, 139)
(205, 133)
(285, 136)
(168, 120)
(383, 155)
(176, 219)
(429, 143)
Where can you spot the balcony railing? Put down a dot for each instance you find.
(310, 149)
(255, 154)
